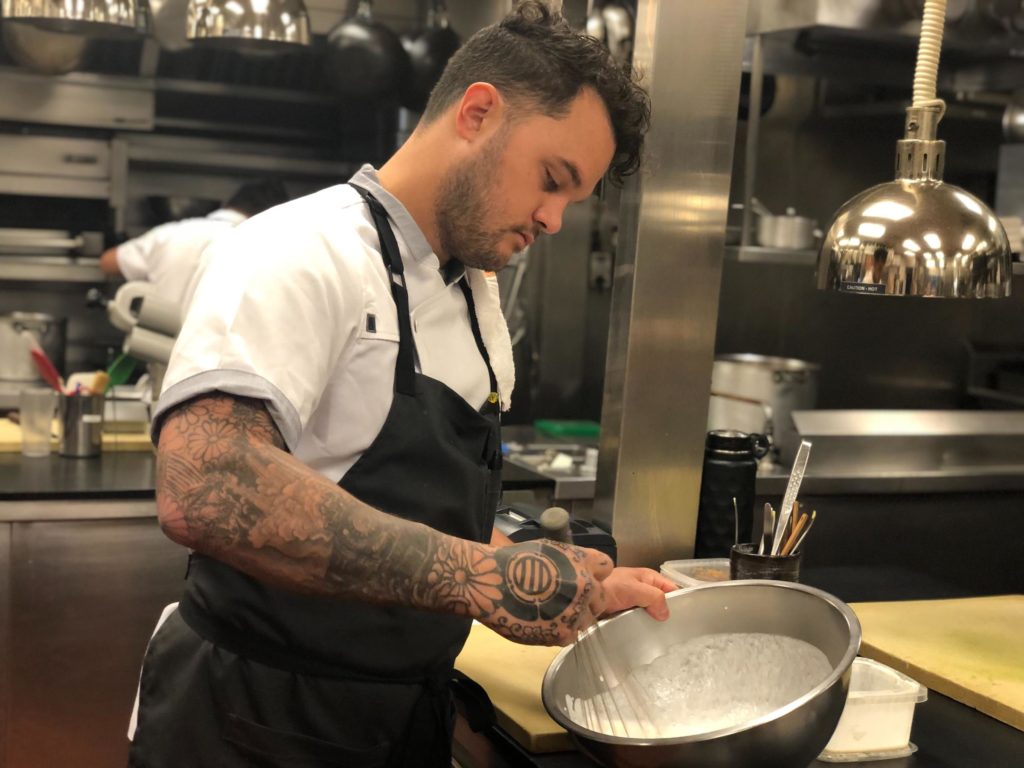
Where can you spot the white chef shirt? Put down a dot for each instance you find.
(168, 255)
(283, 313)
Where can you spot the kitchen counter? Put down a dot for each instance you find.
(111, 476)
(948, 734)
(125, 476)
(856, 482)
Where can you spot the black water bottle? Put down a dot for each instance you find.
(730, 469)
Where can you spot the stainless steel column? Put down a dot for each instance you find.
(669, 265)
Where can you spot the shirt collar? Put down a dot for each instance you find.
(227, 214)
(366, 177)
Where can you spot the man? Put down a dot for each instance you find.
(168, 255)
(328, 440)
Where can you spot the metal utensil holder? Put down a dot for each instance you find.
(81, 425)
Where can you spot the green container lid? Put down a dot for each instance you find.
(567, 428)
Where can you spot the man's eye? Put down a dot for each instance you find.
(550, 185)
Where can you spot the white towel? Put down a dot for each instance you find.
(494, 330)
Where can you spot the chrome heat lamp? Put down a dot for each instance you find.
(917, 235)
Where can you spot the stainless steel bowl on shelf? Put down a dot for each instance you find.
(792, 735)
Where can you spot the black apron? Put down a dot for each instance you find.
(244, 674)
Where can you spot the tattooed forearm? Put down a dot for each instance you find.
(227, 487)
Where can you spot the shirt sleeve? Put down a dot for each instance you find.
(135, 257)
(269, 319)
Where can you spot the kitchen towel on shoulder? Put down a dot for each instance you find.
(494, 331)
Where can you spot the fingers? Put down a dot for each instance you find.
(632, 587)
(652, 600)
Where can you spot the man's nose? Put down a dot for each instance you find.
(549, 215)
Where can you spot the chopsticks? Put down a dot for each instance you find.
(792, 536)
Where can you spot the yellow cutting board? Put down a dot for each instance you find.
(971, 650)
(512, 674)
(10, 439)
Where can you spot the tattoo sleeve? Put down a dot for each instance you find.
(227, 487)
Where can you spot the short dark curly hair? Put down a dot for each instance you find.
(539, 63)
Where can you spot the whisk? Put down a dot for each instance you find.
(617, 705)
(628, 714)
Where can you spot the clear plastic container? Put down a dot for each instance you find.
(879, 711)
(693, 573)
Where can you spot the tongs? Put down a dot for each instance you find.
(796, 476)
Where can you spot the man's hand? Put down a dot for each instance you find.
(631, 587)
(543, 592)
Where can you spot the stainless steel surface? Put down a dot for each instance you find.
(77, 99)
(39, 270)
(80, 510)
(244, 23)
(753, 134)
(44, 51)
(15, 363)
(81, 425)
(889, 15)
(5, 643)
(784, 384)
(791, 736)
(94, 17)
(53, 241)
(53, 165)
(667, 277)
(916, 236)
(796, 477)
(83, 600)
(1010, 181)
(753, 254)
(901, 443)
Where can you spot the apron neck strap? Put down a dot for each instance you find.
(492, 399)
(405, 367)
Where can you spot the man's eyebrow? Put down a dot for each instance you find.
(572, 170)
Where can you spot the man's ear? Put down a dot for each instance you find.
(479, 111)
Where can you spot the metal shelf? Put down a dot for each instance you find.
(756, 254)
(36, 270)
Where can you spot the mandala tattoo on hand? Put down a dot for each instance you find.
(540, 582)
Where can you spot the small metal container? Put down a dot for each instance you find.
(81, 425)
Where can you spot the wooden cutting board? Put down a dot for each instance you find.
(971, 650)
(512, 675)
(10, 439)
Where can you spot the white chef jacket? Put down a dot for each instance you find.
(167, 256)
(294, 307)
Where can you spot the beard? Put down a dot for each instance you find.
(462, 207)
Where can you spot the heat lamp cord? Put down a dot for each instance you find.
(927, 71)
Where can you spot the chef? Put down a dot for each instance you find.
(168, 255)
(328, 436)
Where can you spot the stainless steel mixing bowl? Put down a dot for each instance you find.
(791, 736)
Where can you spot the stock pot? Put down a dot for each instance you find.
(748, 389)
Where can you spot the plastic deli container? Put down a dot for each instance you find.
(879, 711)
(693, 573)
